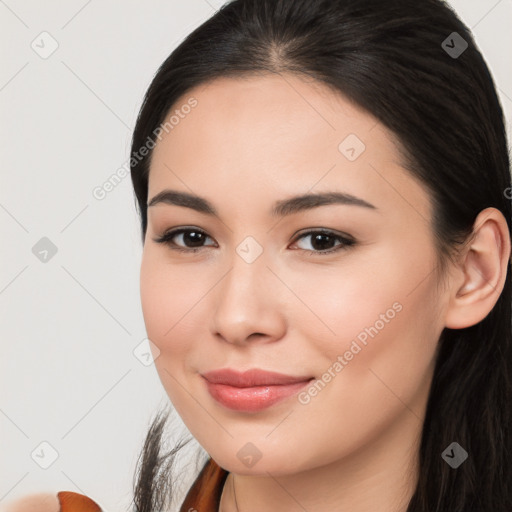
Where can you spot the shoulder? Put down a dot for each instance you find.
(64, 501)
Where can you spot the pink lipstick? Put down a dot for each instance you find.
(253, 390)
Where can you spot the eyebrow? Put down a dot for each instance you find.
(280, 209)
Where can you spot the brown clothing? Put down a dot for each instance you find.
(76, 502)
(205, 493)
(203, 496)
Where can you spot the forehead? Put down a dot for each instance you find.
(267, 115)
(285, 133)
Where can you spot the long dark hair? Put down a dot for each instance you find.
(400, 61)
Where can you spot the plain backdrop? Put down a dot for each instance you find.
(76, 392)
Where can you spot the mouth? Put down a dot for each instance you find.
(253, 390)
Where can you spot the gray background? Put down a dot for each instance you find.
(70, 323)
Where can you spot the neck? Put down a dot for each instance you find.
(380, 475)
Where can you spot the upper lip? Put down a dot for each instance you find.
(253, 377)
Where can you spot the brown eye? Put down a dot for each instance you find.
(324, 242)
(191, 238)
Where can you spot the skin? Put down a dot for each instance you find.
(251, 142)
(37, 502)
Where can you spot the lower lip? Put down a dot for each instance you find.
(255, 398)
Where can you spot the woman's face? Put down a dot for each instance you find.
(262, 291)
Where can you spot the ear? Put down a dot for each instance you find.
(480, 277)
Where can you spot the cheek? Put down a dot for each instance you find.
(166, 297)
(168, 294)
(339, 304)
(160, 301)
(172, 297)
(380, 313)
(386, 338)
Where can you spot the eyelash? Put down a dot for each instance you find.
(345, 241)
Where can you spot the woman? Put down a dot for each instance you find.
(324, 191)
(395, 301)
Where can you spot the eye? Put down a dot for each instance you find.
(193, 238)
(322, 240)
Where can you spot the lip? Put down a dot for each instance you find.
(253, 390)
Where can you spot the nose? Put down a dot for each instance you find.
(249, 304)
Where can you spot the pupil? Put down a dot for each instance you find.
(318, 238)
(194, 237)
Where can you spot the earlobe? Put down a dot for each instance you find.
(483, 271)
